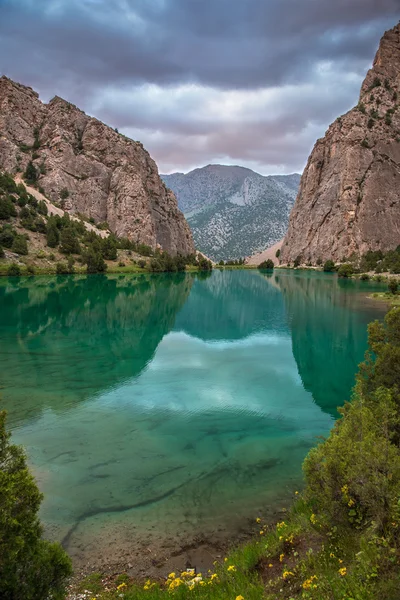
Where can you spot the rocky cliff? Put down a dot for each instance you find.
(349, 197)
(89, 168)
(233, 211)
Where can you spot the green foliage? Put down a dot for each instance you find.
(30, 174)
(30, 567)
(329, 266)
(297, 261)
(376, 83)
(267, 264)
(109, 248)
(278, 253)
(7, 234)
(370, 123)
(52, 234)
(365, 143)
(204, 264)
(164, 262)
(69, 243)
(64, 194)
(370, 260)
(13, 271)
(346, 270)
(393, 285)
(2, 253)
(30, 269)
(364, 277)
(141, 263)
(361, 108)
(42, 208)
(7, 208)
(94, 260)
(20, 245)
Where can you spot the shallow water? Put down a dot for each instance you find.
(168, 406)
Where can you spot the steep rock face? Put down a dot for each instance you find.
(233, 211)
(349, 197)
(107, 176)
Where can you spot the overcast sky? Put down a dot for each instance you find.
(248, 82)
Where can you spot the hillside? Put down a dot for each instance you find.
(89, 168)
(349, 197)
(233, 211)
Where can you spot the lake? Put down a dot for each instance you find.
(162, 409)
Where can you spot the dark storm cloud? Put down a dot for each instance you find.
(132, 62)
(222, 43)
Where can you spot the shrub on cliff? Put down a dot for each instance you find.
(30, 567)
(7, 209)
(266, 264)
(69, 243)
(20, 245)
(52, 234)
(329, 266)
(30, 174)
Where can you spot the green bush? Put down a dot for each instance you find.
(141, 263)
(20, 245)
(297, 262)
(64, 194)
(393, 285)
(13, 271)
(278, 253)
(69, 243)
(30, 174)
(30, 567)
(94, 261)
(7, 209)
(364, 277)
(109, 248)
(267, 265)
(52, 234)
(345, 270)
(7, 236)
(329, 266)
(2, 253)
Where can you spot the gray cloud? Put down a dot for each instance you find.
(158, 69)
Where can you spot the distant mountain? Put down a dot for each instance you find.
(233, 211)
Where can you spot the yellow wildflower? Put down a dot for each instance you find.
(175, 583)
(258, 520)
(281, 557)
(225, 559)
(171, 576)
(262, 532)
(345, 489)
(332, 555)
(351, 502)
(342, 571)
(340, 560)
(296, 492)
(239, 598)
(308, 583)
(281, 525)
(231, 568)
(313, 519)
(270, 565)
(287, 574)
(121, 586)
(213, 577)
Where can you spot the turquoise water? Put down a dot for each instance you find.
(155, 409)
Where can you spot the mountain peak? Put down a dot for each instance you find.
(349, 196)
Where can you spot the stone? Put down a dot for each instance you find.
(349, 196)
(89, 168)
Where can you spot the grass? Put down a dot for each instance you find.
(392, 299)
(300, 557)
